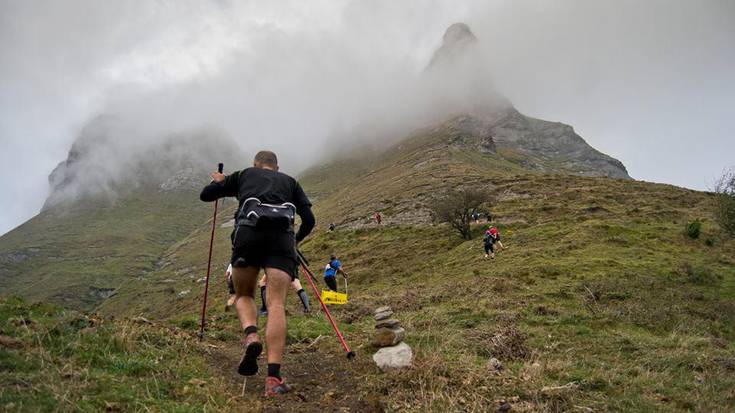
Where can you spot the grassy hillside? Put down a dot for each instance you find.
(600, 291)
(60, 360)
(600, 303)
(77, 255)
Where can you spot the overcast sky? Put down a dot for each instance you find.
(651, 83)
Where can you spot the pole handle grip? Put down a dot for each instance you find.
(220, 167)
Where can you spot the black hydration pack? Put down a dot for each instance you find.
(256, 214)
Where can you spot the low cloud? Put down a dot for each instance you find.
(310, 79)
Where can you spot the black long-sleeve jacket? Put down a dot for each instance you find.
(268, 186)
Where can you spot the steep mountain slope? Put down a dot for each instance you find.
(600, 288)
(457, 73)
(466, 149)
(108, 218)
(601, 300)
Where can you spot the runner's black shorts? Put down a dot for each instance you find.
(265, 249)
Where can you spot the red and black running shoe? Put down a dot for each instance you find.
(249, 363)
(275, 386)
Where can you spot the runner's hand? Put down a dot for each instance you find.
(217, 177)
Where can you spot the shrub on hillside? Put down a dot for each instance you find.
(693, 229)
(456, 207)
(700, 274)
(725, 202)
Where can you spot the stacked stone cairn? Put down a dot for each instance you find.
(389, 334)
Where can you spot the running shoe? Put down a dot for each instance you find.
(275, 386)
(249, 363)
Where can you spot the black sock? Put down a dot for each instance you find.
(304, 298)
(262, 297)
(274, 370)
(250, 330)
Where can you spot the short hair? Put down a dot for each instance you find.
(266, 158)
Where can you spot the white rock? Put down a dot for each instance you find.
(183, 293)
(395, 357)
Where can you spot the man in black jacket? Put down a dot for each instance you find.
(261, 246)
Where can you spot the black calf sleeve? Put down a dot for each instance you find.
(262, 298)
(304, 298)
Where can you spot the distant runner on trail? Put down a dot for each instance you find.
(491, 237)
(378, 218)
(263, 238)
(475, 216)
(333, 267)
(296, 284)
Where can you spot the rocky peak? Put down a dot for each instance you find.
(111, 156)
(458, 40)
(468, 132)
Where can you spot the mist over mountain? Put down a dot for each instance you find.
(134, 147)
(111, 156)
(306, 80)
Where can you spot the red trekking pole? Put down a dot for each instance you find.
(220, 168)
(309, 276)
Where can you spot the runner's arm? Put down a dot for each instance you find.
(307, 223)
(303, 208)
(217, 190)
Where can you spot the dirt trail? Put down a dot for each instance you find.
(323, 380)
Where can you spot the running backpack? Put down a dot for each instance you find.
(256, 214)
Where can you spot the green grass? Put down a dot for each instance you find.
(598, 288)
(60, 360)
(601, 289)
(62, 254)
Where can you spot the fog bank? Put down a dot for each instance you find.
(649, 83)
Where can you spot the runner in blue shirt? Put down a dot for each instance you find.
(330, 272)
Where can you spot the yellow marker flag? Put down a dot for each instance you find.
(333, 297)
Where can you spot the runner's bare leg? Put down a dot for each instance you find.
(244, 280)
(275, 334)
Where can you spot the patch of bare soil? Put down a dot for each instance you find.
(322, 378)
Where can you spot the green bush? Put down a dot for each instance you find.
(724, 202)
(693, 229)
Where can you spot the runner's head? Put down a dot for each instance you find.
(332, 257)
(266, 160)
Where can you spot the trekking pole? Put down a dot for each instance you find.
(220, 168)
(309, 276)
